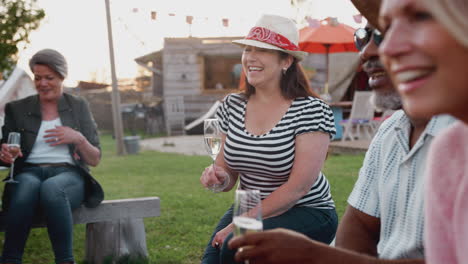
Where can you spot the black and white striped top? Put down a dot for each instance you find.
(264, 162)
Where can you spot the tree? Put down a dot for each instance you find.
(17, 19)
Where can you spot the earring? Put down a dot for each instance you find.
(285, 70)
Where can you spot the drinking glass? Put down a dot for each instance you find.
(247, 215)
(212, 135)
(14, 141)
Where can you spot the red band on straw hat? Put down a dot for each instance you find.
(270, 37)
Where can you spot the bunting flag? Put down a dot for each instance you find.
(225, 22)
(358, 18)
(312, 22)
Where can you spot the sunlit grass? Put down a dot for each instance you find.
(188, 212)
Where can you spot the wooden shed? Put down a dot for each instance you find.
(196, 71)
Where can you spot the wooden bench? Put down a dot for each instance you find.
(114, 228)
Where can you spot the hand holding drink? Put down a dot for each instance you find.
(212, 137)
(13, 143)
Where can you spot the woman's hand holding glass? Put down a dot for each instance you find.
(10, 152)
(214, 177)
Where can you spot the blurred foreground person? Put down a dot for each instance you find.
(425, 51)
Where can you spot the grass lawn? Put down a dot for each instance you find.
(188, 212)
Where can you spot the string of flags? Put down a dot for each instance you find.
(225, 21)
(188, 19)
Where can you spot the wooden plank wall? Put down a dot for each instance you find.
(184, 70)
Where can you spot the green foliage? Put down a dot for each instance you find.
(342, 172)
(189, 213)
(17, 19)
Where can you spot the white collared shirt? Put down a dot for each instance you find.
(390, 185)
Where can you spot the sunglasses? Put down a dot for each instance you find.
(362, 36)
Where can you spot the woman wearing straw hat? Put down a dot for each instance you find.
(276, 137)
(425, 51)
(369, 232)
(59, 140)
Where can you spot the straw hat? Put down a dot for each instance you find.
(369, 9)
(276, 33)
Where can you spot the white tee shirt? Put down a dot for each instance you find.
(42, 152)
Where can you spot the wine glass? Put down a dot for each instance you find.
(247, 215)
(212, 135)
(14, 140)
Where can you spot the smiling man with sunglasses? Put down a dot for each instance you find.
(384, 96)
(362, 36)
(384, 216)
(383, 222)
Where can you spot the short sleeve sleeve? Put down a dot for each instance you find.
(365, 196)
(222, 114)
(316, 116)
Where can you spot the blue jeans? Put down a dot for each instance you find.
(52, 191)
(317, 224)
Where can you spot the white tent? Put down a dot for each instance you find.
(17, 86)
(341, 71)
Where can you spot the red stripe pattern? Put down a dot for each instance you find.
(270, 37)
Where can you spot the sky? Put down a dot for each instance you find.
(78, 28)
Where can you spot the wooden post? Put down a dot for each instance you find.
(116, 115)
(115, 239)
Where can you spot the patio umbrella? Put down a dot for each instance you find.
(328, 37)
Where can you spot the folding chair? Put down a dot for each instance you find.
(175, 115)
(362, 113)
